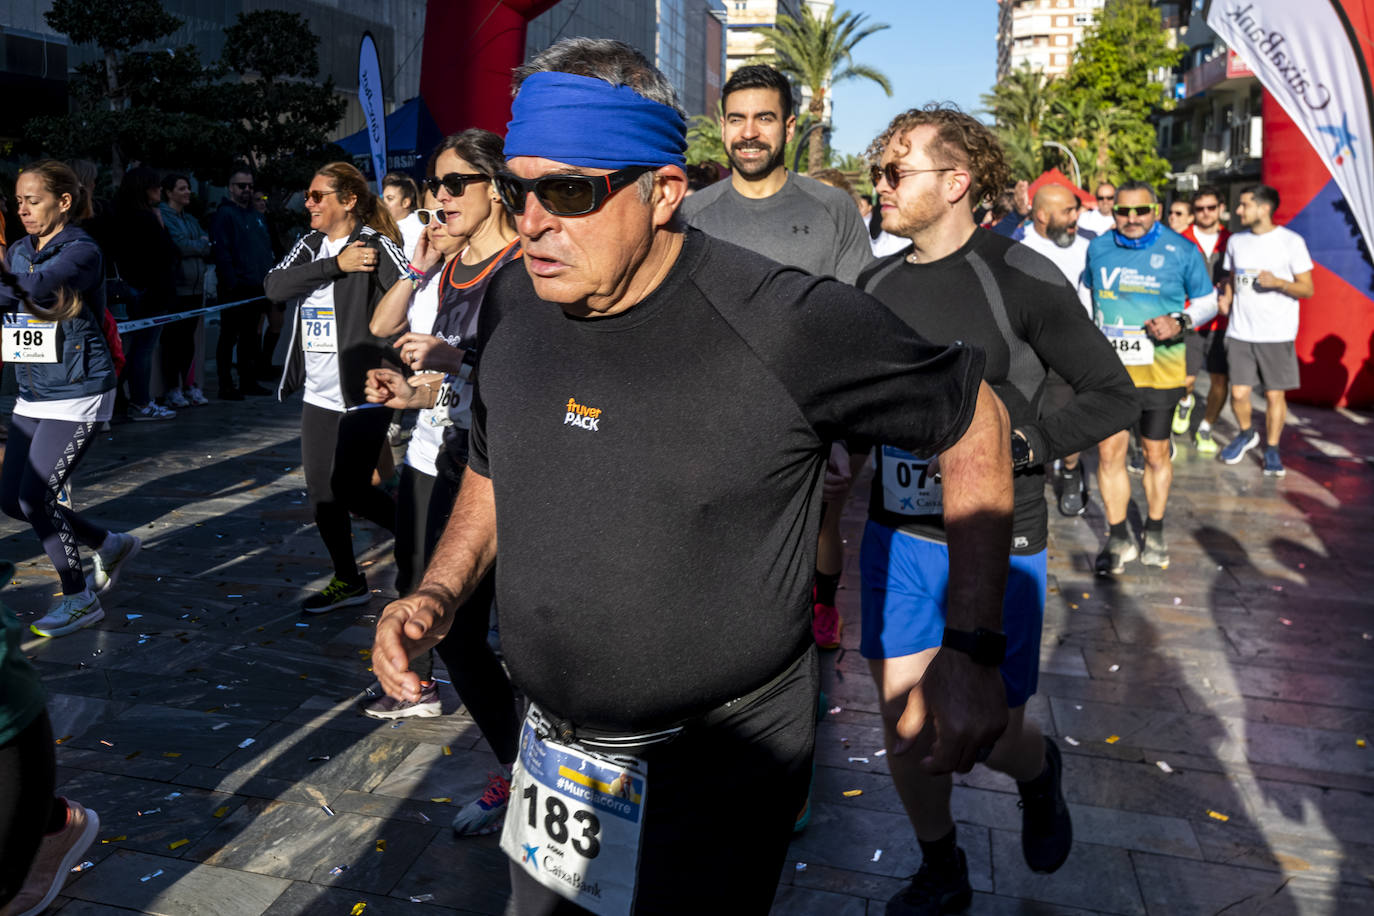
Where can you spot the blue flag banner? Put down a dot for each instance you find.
(370, 97)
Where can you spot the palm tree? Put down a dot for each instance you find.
(1022, 105)
(1089, 127)
(704, 141)
(817, 53)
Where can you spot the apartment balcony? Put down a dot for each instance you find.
(1225, 71)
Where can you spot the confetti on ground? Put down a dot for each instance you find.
(1360, 742)
(107, 743)
(1177, 600)
(221, 811)
(1073, 607)
(317, 759)
(338, 869)
(83, 866)
(877, 854)
(149, 811)
(303, 625)
(219, 726)
(448, 751)
(381, 845)
(132, 616)
(882, 753)
(171, 753)
(801, 866)
(836, 710)
(246, 741)
(1217, 815)
(178, 844)
(1367, 635)
(853, 793)
(422, 898)
(1086, 595)
(858, 760)
(1074, 742)
(328, 810)
(233, 596)
(1078, 706)
(1114, 668)
(1164, 766)
(358, 908)
(116, 839)
(64, 738)
(1113, 739)
(1285, 621)
(151, 875)
(422, 816)
(443, 800)
(365, 653)
(174, 795)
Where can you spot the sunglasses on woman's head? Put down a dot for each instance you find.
(565, 195)
(454, 182)
(428, 216)
(1141, 210)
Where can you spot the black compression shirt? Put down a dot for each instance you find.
(658, 472)
(1015, 304)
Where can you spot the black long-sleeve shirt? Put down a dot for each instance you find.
(1013, 303)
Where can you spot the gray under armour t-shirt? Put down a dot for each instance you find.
(807, 224)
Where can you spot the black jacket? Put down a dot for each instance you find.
(355, 299)
(71, 260)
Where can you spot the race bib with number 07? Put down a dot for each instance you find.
(28, 340)
(318, 330)
(908, 486)
(1132, 345)
(575, 820)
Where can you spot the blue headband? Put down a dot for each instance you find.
(588, 122)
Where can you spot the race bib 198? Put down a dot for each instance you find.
(318, 330)
(908, 488)
(28, 340)
(575, 820)
(1132, 345)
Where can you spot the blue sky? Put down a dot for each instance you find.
(935, 50)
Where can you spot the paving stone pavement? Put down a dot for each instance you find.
(215, 729)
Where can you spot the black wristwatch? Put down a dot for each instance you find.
(1021, 456)
(986, 647)
(1185, 321)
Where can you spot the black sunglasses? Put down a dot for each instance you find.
(425, 216)
(565, 195)
(894, 174)
(1141, 210)
(454, 182)
(1106, 197)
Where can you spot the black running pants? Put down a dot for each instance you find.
(338, 453)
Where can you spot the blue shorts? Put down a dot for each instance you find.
(905, 580)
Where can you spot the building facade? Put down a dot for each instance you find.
(684, 38)
(1041, 34)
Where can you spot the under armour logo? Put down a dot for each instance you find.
(805, 230)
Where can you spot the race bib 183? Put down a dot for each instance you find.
(28, 340)
(1132, 345)
(908, 487)
(318, 330)
(575, 821)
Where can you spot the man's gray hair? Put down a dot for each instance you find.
(613, 62)
(1138, 186)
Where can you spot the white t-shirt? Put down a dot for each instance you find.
(411, 230)
(92, 408)
(322, 387)
(1092, 220)
(1208, 243)
(428, 436)
(1070, 261)
(424, 305)
(886, 243)
(1264, 316)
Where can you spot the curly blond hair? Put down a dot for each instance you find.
(960, 139)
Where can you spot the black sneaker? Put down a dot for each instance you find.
(1073, 492)
(1115, 555)
(1046, 829)
(335, 595)
(935, 890)
(388, 707)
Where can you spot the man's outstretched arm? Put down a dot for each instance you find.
(415, 623)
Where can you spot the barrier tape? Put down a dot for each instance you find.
(138, 324)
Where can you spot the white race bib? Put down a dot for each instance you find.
(444, 402)
(28, 340)
(318, 330)
(575, 820)
(1245, 279)
(1133, 346)
(907, 487)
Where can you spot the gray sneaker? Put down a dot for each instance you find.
(107, 564)
(1156, 552)
(1116, 554)
(387, 707)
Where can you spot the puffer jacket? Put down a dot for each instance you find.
(193, 244)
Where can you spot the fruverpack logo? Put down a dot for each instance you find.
(582, 416)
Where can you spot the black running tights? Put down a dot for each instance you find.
(28, 772)
(39, 457)
(339, 452)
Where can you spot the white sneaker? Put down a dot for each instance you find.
(195, 397)
(150, 411)
(108, 563)
(176, 399)
(69, 613)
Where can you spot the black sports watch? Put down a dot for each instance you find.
(1185, 321)
(986, 647)
(1021, 456)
